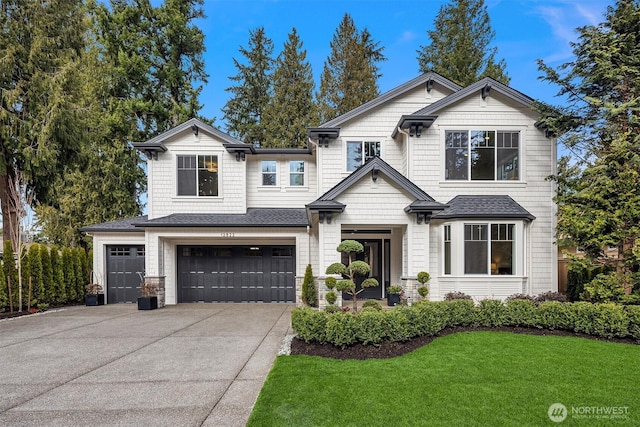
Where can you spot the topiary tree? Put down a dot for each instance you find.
(309, 292)
(351, 271)
(423, 277)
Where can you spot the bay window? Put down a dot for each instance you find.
(482, 155)
(488, 249)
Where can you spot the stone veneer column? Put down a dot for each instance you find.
(158, 282)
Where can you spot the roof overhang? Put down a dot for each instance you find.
(323, 135)
(150, 150)
(414, 124)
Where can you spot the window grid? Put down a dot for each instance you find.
(296, 173)
(358, 152)
(489, 155)
(269, 173)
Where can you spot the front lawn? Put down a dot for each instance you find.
(463, 379)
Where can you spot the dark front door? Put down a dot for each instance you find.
(125, 269)
(372, 255)
(236, 273)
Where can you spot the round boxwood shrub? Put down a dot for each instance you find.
(331, 297)
(460, 312)
(555, 315)
(521, 312)
(341, 329)
(332, 309)
(430, 317)
(370, 326)
(491, 313)
(373, 304)
(309, 324)
(397, 325)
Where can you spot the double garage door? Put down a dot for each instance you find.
(236, 273)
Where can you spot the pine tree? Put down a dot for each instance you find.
(35, 274)
(69, 273)
(57, 270)
(600, 204)
(47, 276)
(243, 112)
(350, 74)
(10, 271)
(42, 122)
(291, 109)
(460, 47)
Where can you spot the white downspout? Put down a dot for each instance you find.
(408, 154)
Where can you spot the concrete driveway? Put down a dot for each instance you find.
(184, 365)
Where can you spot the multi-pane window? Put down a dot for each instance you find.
(269, 172)
(358, 152)
(488, 254)
(198, 175)
(482, 155)
(447, 249)
(296, 173)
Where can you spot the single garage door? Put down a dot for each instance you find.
(125, 266)
(236, 273)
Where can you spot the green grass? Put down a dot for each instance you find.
(464, 379)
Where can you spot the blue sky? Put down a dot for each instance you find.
(526, 30)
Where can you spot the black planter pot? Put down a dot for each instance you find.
(100, 299)
(92, 299)
(393, 299)
(147, 303)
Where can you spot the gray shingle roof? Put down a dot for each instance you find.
(119, 226)
(483, 207)
(255, 217)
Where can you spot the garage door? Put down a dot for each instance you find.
(236, 273)
(125, 264)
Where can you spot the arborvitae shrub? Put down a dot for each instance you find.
(35, 272)
(10, 271)
(57, 270)
(78, 254)
(4, 292)
(309, 291)
(68, 270)
(47, 276)
(84, 264)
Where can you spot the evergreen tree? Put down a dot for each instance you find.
(291, 109)
(80, 281)
(42, 120)
(10, 271)
(47, 276)
(243, 112)
(69, 275)
(4, 291)
(24, 272)
(35, 273)
(598, 200)
(57, 270)
(309, 291)
(350, 74)
(460, 47)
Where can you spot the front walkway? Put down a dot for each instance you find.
(184, 365)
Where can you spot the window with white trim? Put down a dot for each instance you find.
(488, 249)
(296, 173)
(447, 249)
(269, 173)
(482, 155)
(358, 152)
(198, 175)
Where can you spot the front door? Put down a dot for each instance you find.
(372, 255)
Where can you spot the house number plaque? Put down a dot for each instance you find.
(227, 234)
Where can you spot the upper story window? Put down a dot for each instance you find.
(198, 175)
(482, 155)
(269, 172)
(358, 152)
(296, 173)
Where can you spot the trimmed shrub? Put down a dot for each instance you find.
(310, 325)
(397, 324)
(521, 312)
(370, 327)
(372, 304)
(331, 297)
(332, 309)
(555, 315)
(604, 320)
(309, 291)
(429, 318)
(456, 295)
(491, 313)
(633, 314)
(460, 312)
(341, 329)
(605, 287)
(584, 314)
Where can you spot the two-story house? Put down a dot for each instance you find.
(429, 176)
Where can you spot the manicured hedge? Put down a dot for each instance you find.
(372, 327)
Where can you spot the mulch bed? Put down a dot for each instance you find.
(390, 349)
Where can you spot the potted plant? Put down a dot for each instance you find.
(149, 298)
(393, 295)
(93, 294)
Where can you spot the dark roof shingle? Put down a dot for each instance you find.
(483, 207)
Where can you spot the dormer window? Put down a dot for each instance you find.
(198, 175)
(358, 152)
